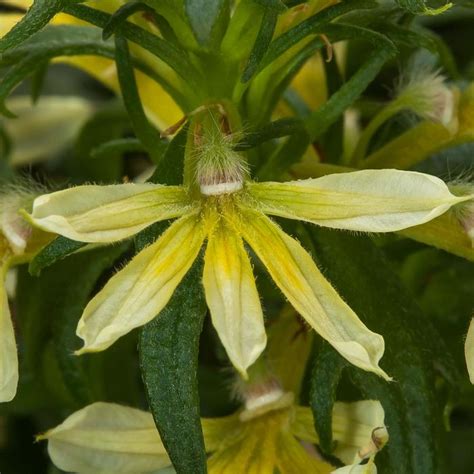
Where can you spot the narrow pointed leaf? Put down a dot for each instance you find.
(169, 348)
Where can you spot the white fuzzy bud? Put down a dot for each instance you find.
(426, 94)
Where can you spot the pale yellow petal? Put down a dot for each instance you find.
(368, 200)
(232, 297)
(215, 430)
(104, 437)
(8, 351)
(294, 271)
(359, 430)
(136, 294)
(252, 451)
(107, 213)
(289, 366)
(302, 425)
(294, 457)
(369, 468)
(469, 351)
(42, 130)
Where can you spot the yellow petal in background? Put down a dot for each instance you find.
(8, 351)
(43, 129)
(253, 451)
(297, 276)
(469, 351)
(106, 438)
(137, 293)
(368, 200)
(107, 213)
(289, 365)
(293, 457)
(232, 298)
(8, 21)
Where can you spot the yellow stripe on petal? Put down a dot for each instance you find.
(232, 297)
(136, 294)
(104, 437)
(469, 351)
(294, 271)
(107, 213)
(367, 201)
(8, 352)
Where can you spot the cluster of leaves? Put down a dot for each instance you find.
(417, 297)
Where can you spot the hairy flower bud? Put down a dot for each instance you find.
(426, 94)
(465, 210)
(219, 169)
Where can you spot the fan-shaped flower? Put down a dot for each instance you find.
(221, 206)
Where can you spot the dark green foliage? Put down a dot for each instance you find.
(169, 347)
(413, 349)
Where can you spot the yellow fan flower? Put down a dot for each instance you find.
(218, 203)
(270, 432)
(105, 437)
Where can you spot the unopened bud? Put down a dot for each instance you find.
(426, 94)
(465, 210)
(219, 169)
(14, 229)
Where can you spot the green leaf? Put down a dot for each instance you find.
(171, 54)
(208, 19)
(169, 347)
(117, 146)
(289, 153)
(312, 25)
(365, 280)
(36, 18)
(56, 41)
(68, 286)
(422, 7)
(320, 120)
(108, 169)
(327, 368)
(262, 42)
(122, 14)
(56, 250)
(170, 169)
(276, 129)
(147, 134)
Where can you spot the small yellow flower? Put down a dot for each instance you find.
(219, 204)
(105, 437)
(269, 432)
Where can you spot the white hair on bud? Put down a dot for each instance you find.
(219, 169)
(465, 210)
(425, 92)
